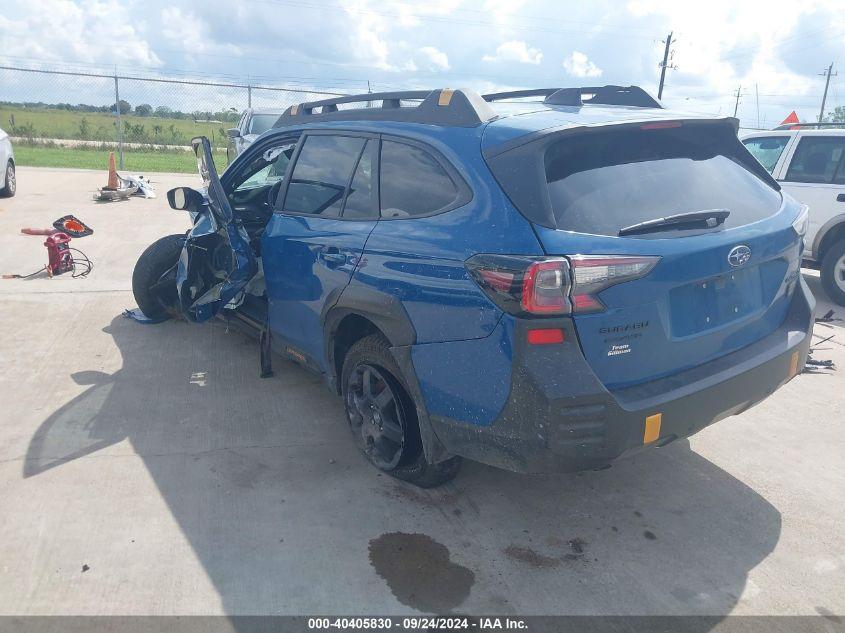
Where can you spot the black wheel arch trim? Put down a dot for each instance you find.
(388, 314)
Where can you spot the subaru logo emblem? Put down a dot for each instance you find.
(739, 255)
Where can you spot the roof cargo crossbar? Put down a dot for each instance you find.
(602, 95)
(454, 108)
(818, 126)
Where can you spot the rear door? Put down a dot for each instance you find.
(815, 175)
(708, 289)
(314, 241)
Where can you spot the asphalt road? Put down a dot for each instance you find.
(146, 469)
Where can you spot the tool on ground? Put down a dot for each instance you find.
(73, 226)
(60, 255)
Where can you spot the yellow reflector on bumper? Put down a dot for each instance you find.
(652, 428)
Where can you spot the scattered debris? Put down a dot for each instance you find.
(85, 568)
(828, 364)
(140, 317)
(123, 187)
(827, 317)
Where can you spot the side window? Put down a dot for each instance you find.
(412, 182)
(817, 159)
(767, 149)
(266, 169)
(321, 174)
(362, 199)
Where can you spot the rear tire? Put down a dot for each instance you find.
(11, 186)
(160, 256)
(382, 416)
(833, 272)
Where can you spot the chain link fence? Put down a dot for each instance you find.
(81, 110)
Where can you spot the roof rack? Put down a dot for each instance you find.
(446, 107)
(798, 126)
(603, 95)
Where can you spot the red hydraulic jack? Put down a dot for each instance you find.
(60, 259)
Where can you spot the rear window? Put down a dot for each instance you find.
(602, 182)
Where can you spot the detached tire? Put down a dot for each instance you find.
(833, 272)
(160, 256)
(11, 186)
(382, 416)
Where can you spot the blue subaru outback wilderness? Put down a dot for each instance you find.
(541, 280)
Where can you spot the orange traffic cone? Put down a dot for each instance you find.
(113, 182)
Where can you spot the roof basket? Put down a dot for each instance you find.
(446, 107)
(601, 95)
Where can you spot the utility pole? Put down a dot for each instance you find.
(663, 65)
(826, 84)
(757, 95)
(737, 94)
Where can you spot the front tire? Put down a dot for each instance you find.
(833, 272)
(382, 416)
(155, 295)
(11, 186)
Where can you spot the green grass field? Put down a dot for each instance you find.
(100, 126)
(135, 161)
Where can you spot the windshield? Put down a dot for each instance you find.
(260, 123)
(601, 182)
(767, 149)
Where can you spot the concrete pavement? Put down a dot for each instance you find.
(148, 470)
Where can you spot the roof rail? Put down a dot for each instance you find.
(798, 126)
(446, 107)
(604, 95)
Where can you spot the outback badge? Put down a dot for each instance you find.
(739, 255)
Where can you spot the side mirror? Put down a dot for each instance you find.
(233, 132)
(185, 199)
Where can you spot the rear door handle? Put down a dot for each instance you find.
(840, 197)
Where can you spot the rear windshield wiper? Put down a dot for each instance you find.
(708, 219)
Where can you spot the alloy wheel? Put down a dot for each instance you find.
(375, 415)
(839, 273)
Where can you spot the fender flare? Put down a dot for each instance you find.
(833, 223)
(387, 313)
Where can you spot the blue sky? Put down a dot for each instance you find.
(781, 47)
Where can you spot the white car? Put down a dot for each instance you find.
(8, 183)
(809, 163)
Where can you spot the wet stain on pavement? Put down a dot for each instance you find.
(530, 557)
(651, 536)
(420, 572)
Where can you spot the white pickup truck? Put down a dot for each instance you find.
(808, 160)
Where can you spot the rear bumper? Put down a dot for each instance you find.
(558, 417)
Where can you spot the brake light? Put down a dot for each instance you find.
(660, 125)
(553, 286)
(545, 287)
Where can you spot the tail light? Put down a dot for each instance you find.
(553, 286)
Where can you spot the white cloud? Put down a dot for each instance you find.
(436, 58)
(515, 51)
(579, 65)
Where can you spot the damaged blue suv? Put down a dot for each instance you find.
(541, 280)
